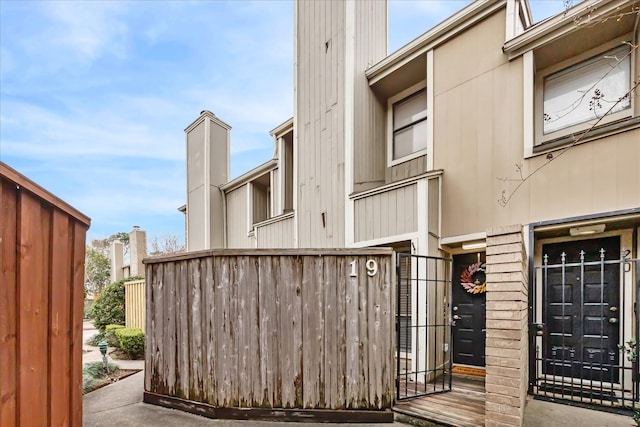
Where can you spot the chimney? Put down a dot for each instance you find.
(138, 250)
(116, 253)
(207, 140)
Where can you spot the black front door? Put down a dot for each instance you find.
(469, 309)
(581, 306)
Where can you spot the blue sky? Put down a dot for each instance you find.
(95, 96)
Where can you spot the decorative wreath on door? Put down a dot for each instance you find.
(473, 279)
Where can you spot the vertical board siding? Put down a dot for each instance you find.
(408, 169)
(386, 214)
(41, 305)
(237, 225)
(260, 329)
(320, 113)
(277, 234)
(134, 303)
(369, 159)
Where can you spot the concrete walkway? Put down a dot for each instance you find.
(539, 413)
(92, 354)
(120, 404)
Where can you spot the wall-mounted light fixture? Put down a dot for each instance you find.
(474, 245)
(587, 229)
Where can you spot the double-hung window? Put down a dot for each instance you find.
(409, 127)
(590, 91)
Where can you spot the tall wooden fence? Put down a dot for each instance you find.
(42, 244)
(303, 329)
(134, 304)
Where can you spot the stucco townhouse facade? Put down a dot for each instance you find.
(508, 148)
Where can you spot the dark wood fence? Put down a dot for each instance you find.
(41, 305)
(304, 329)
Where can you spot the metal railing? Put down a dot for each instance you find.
(585, 330)
(423, 326)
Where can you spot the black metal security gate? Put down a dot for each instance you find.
(585, 326)
(423, 326)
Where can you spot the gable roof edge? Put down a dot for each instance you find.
(437, 35)
(560, 25)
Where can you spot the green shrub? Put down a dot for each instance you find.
(95, 340)
(109, 307)
(93, 372)
(131, 340)
(109, 335)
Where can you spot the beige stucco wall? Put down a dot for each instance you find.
(478, 127)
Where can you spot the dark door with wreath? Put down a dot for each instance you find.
(469, 309)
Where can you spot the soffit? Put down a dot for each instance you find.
(409, 74)
(581, 40)
(414, 51)
(591, 19)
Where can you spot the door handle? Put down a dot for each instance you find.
(613, 320)
(456, 317)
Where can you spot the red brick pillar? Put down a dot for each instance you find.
(507, 327)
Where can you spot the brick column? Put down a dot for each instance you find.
(507, 327)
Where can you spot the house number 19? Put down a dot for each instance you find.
(371, 265)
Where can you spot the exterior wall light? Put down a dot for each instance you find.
(587, 229)
(474, 245)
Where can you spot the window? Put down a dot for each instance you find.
(260, 199)
(409, 130)
(286, 166)
(575, 97)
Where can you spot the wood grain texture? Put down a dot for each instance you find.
(463, 406)
(77, 304)
(11, 176)
(60, 330)
(262, 330)
(42, 247)
(8, 304)
(33, 316)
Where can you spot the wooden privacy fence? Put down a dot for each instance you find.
(298, 329)
(134, 304)
(42, 244)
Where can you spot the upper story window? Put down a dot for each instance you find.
(259, 199)
(580, 92)
(408, 123)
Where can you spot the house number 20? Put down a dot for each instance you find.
(371, 265)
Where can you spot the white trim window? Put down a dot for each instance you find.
(577, 96)
(408, 124)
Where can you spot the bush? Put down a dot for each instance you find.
(93, 372)
(131, 340)
(95, 340)
(109, 307)
(109, 335)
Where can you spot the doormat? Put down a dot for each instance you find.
(468, 370)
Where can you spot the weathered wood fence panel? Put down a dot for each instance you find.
(306, 329)
(42, 247)
(134, 303)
